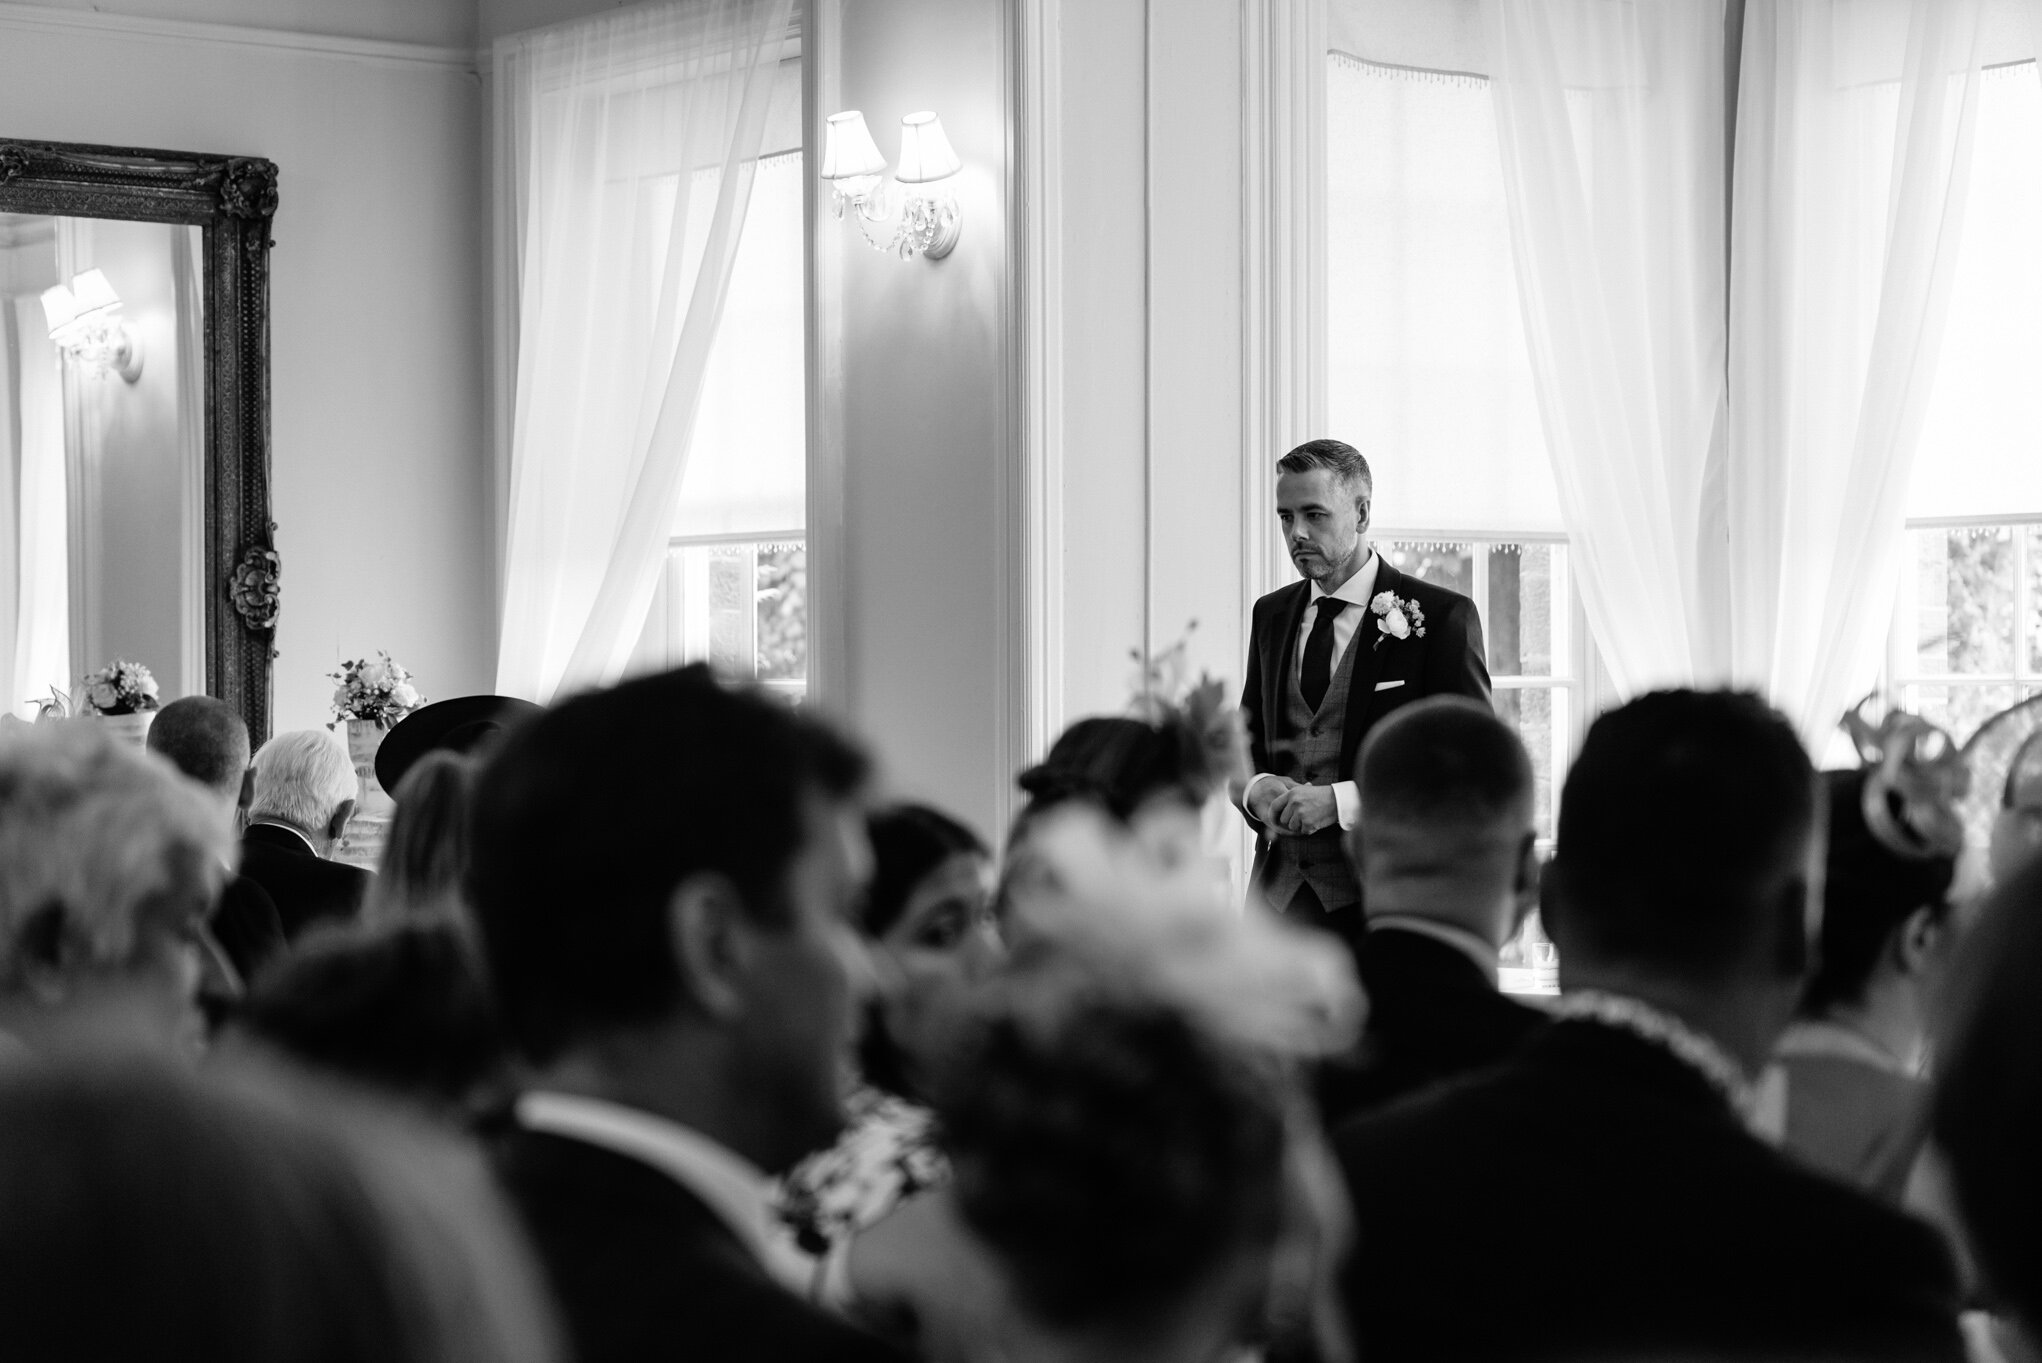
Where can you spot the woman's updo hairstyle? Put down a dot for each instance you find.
(1117, 764)
(1111, 1151)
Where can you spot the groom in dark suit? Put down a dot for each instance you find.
(1327, 658)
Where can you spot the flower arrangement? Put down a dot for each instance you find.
(378, 690)
(119, 688)
(1399, 617)
(1201, 710)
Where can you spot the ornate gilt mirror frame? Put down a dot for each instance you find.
(233, 198)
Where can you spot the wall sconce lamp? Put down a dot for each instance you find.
(85, 323)
(930, 219)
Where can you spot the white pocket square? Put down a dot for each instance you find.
(1385, 686)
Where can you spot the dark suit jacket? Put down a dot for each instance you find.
(307, 888)
(1593, 1197)
(1448, 660)
(642, 1270)
(1433, 1014)
(248, 927)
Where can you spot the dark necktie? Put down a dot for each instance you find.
(1318, 672)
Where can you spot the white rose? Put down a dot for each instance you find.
(340, 698)
(1395, 623)
(374, 674)
(1384, 603)
(404, 695)
(104, 697)
(148, 685)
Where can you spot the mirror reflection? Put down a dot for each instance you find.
(102, 454)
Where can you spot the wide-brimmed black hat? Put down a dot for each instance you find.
(461, 725)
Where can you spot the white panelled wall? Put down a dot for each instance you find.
(377, 330)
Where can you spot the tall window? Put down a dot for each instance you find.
(1967, 632)
(735, 590)
(1428, 374)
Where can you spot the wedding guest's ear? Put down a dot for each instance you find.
(707, 926)
(337, 824)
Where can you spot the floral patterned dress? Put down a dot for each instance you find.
(887, 1154)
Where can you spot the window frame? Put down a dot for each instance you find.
(1900, 670)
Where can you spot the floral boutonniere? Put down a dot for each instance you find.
(1399, 617)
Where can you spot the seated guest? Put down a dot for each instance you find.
(1156, 777)
(206, 740)
(2017, 829)
(304, 794)
(146, 1214)
(1448, 868)
(1598, 1194)
(1988, 1101)
(928, 915)
(399, 1007)
(109, 864)
(1138, 1174)
(425, 852)
(664, 877)
(1855, 1101)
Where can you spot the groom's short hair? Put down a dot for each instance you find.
(1338, 458)
(1684, 817)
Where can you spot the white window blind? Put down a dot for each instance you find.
(1427, 369)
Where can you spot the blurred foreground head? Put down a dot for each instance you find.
(109, 864)
(148, 1214)
(665, 876)
(1688, 861)
(1121, 1105)
(1686, 838)
(1988, 1107)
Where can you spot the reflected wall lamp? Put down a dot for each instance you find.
(930, 219)
(85, 323)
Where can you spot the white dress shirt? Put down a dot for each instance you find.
(1355, 591)
(730, 1185)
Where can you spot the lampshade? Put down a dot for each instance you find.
(848, 150)
(94, 293)
(925, 153)
(59, 307)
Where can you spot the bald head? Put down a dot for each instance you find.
(207, 740)
(1446, 818)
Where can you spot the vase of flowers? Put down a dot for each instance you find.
(371, 696)
(121, 695)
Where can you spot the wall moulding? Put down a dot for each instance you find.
(95, 23)
(1283, 258)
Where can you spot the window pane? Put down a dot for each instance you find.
(1443, 565)
(1521, 629)
(2032, 630)
(1529, 710)
(1964, 593)
(1960, 708)
(783, 612)
(730, 609)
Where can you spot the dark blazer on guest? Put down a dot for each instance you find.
(1448, 660)
(1433, 1015)
(1594, 1197)
(641, 1269)
(307, 887)
(247, 926)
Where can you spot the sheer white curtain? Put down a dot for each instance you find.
(1610, 122)
(635, 138)
(1853, 140)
